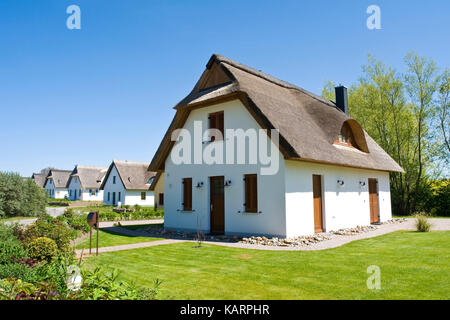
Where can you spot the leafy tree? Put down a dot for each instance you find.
(19, 197)
(399, 112)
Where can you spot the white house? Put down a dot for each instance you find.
(84, 183)
(56, 183)
(128, 183)
(326, 172)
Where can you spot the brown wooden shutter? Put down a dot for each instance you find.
(187, 194)
(251, 193)
(216, 122)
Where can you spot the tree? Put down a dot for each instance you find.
(421, 83)
(399, 111)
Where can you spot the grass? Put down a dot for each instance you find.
(413, 266)
(109, 238)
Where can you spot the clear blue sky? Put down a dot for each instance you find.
(106, 91)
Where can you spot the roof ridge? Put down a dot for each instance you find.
(270, 78)
(130, 162)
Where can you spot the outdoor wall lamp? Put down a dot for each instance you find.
(227, 183)
(199, 184)
(362, 183)
(341, 183)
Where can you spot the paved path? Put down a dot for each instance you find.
(53, 211)
(336, 241)
(107, 224)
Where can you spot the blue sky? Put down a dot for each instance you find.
(106, 91)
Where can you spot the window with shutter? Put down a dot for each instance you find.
(161, 199)
(187, 194)
(216, 122)
(251, 193)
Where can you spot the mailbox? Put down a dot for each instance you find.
(92, 219)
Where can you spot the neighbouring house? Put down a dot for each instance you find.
(84, 183)
(128, 183)
(331, 174)
(39, 179)
(56, 183)
(158, 190)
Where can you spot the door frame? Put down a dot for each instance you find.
(210, 206)
(322, 211)
(375, 180)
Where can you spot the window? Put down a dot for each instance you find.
(70, 192)
(143, 195)
(93, 192)
(251, 193)
(161, 199)
(79, 193)
(114, 179)
(150, 181)
(346, 136)
(216, 122)
(120, 196)
(187, 194)
(109, 196)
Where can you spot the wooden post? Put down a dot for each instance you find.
(98, 226)
(90, 239)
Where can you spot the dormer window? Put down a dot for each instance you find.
(150, 181)
(346, 137)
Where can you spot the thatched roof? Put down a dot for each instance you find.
(90, 177)
(134, 175)
(308, 124)
(60, 177)
(39, 179)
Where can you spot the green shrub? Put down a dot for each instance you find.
(10, 246)
(75, 221)
(47, 226)
(19, 197)
(101, 285)
(43, 249)
(422, 224)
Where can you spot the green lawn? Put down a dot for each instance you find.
(108, 238)
(413, 266)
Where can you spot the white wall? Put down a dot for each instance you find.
(134, 197)
(110, 188)
(270, 188)
(74, 189)
(343, 207)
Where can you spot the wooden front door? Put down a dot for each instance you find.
(317, 195)
(217, 204)
(373, 201)
(114, 199)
